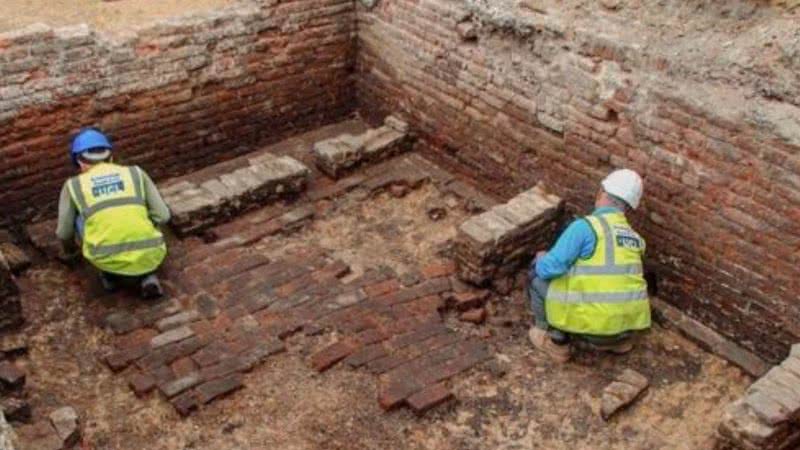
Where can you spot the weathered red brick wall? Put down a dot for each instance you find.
(175, 96)
(517, 95)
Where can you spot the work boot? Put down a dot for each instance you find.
(151, 288)
(618, 348)
(109, 285)
(541, 340)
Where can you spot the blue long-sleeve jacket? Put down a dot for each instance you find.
(577, 241)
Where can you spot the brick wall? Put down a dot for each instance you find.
(174, 96)
(517, 94)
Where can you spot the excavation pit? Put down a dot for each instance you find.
(338, 169)
(240, 306)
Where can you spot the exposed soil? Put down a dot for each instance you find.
(108, 16)
(519, 400)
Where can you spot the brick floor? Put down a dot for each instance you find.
(232, 308)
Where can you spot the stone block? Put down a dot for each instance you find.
(65, 422)
(622, 392)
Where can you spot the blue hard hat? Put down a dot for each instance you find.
(88, 139)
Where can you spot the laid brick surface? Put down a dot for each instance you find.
(235, 307)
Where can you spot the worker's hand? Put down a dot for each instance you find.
(540, 254)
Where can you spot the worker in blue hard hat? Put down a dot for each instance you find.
(113, 212)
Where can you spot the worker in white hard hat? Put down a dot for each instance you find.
(590, 286)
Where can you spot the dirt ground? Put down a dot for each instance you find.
(108, 16)
(518, 401)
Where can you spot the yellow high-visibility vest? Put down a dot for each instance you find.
(606, 293)
(118, 235)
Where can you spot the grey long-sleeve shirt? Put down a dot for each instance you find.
(67, 212)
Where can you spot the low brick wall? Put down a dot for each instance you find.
(200, 201)
(499, 242)
(518, 92)
(175, 96)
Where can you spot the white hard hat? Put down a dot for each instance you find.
(624, 184)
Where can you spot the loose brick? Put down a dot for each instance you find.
(326, 358)
(429, 398)
(216, 388)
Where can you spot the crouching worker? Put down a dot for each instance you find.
(590, 286)
(113, 213)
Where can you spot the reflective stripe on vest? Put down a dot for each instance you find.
(113, 249)
(604, 294)
(597, 297)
